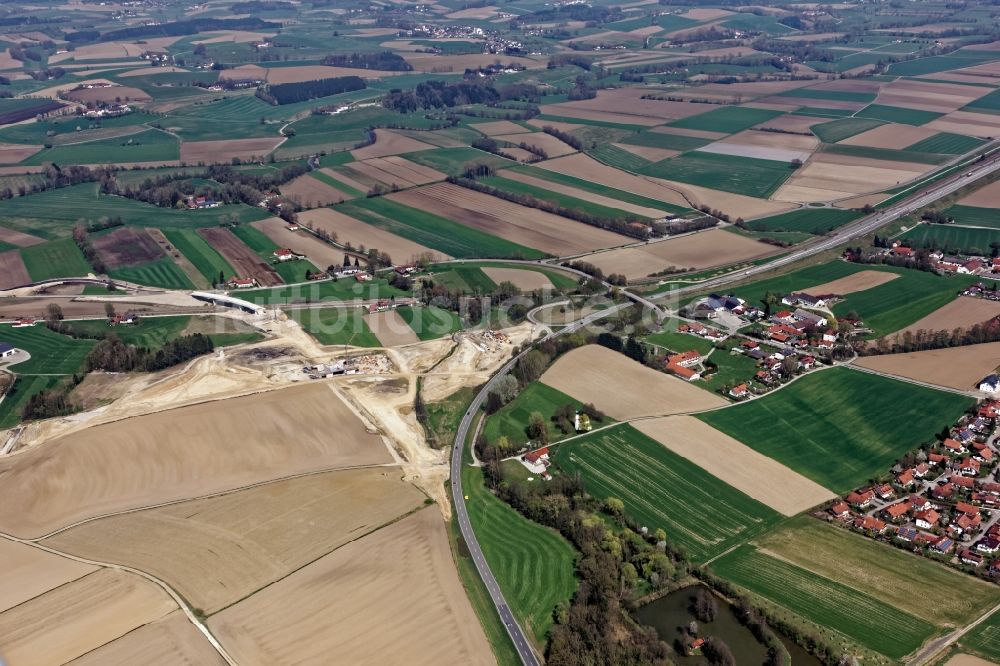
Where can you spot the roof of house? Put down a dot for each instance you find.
(5, 347)
(898, 510)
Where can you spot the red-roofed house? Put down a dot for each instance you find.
(861, 498)
(897, 510)
(680, 365)
(283, 254)
(927, 519)
(739, 391)
(840, 510)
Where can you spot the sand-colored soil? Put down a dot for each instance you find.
(706, 14)
(150, 71)
(249, 72)
(402, 168)
(549, 233)
(8, 62)
(234, 36)
(29, 572)
(584, 195)
(390, 329)
(101, 51)
(789, 123)
(859, 281)
(648, 152)
(968, 660)
(474, 13)
(170, 641)
(14, 153)
(927, 96)
(358, 233)
(586, 167)
(734, 205)
(392, 597)
(608, 379)
(890, 136)
(765, 146)
(212, 152)
(109, 95)
(13, 272)
(388, 143)
(316, 72)
(345, 179)
(182, 453)
(320, 253)
(984, 197)
(370, 170)
(862, 200)
(524, 280)
(715, 247)
(828, 177)
(982, 125)
(80, 616)
(498, 127)
(682, 131)
(311, 192)
(224, 548)
(961, 312)
(959, 368)
(629, 104)
(540, 140)
(735, 463)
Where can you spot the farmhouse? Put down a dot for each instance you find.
(680, 365)
(284, 254)
(23, 322)
(804, 300)
(122, 319)
(739, 391)
(242, 283)
(990, 384)
(6, 350)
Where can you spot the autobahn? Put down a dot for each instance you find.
(846, 233)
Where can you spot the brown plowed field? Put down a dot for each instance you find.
(859, 281)
(549, 233)
(400, 167)
(890, 136)
(321, 254)
(30, 572)
(368, 169)
(960, 313)
(762, 478)
(357, 233)
(586, 167)
(984, 197)
(18, 238)
(346, 180)
(315, 72)
(392, 597)
(927, 96)
(628, 103)
(108, 95)
(127, 246)
(242, 258)
(583, 195)
(610, 381)
(389, 143)
(211, 152)
(311, 192)
(13, 272)
(14, 153)
(222, 549)
(648, 152)
(390, 329)
(81, 616)
(524, 280)
(550, 144)
(982, 125)
(828, 177)
(181, 453)
(955, 367)
(170, 641)
(499, 127)
(707, 249)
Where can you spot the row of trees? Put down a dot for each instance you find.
(383, 60)
(113, 355)
(923, 339)
(302, 91)
(89, 253)
(438, 94)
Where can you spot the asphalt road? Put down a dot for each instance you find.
(842, 235)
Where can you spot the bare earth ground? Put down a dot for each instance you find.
(13, 272)
(209, 152)
(317, 251)
(789, 123)
(956, 367)
(311, 192)
(312, 72)
(961, 312)
(108, 95)
(390, 329)
(550, 144)
(76, 618)
(526, 226)
(827, 177)
(937, 97)
(347, 180)
(750, 472)
(585, 167)
(127, 246)
(169, 641)
(984, 197)
(423, 62)
(627, 105)
(240, 256)
(14, 153)
(182, 453)
(765, 146)
(498, 127)
(608, 379)
(18, 238)
(890, 136)
(848, 285)
(715, 247)
(389, 143)
(400, 167)
(356, 232)
(968, 660)
(393, 596)
(29, 572)
(982, 125)
(648, 152)
(583, 194)
(520, 278)
(225, 548)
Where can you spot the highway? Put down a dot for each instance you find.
(844, 234)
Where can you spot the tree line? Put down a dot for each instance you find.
(923, 339)
(188, 27)
(113, 355)
(302, 91)
(383, 60)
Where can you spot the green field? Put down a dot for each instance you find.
(453, 161)
(985, 639)
(345, 289)
(149, 146)
(809, 220)
(154, 332)
(160, 273)
(732, 369)
(434, 232)
(946, 143)
(430, 322)
(533, 565)
(24, 387)
(663, 490)
(618, 158)
(336, 326)
(840, 427)
(466, 279)
(858, 615)
(838, 130)
(932, 64)
(197, 250)
(55, 259)
(598, 188)
(51, 353)
(677, 342)
(897, 114)
(974, 216)
(870, 152)
(746, 175)
(729, 119)
(512, 419)
(292, 272)
(667, 141)
(952, 238)
(560, 199)
(990, 103)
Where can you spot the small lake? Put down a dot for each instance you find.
(671, 613)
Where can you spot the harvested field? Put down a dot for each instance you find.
(169, 641)
(321, 254)
(984, 197)
(583, 195)
(521, 155)
(828, 177)
(890, 136)
(859, 281)
(524, 280)
(150, 71)
(862, 201)
(981, 125)
(345, 179)
(735, 205)
(628, 105)
(394, 176)
(707, 249)
(235, 36)
(9, 62)
(80, 616)
(959, 368)
(961, 312)
(212, 152)
(725, 458)
(765, 146)
(498, 127)
(583, 166)
(311, 192)
(101, 51)
(423, 62)
(648, 152)
(108, 95)
(182, 453)
(30, 572)
(13, 272)
(300, 73)
(242, 258)
(540, 140)
(393, 596)
(127, 246)
(699, 134)
(388, 143)
(608, 379)
(927, 96)
(357, 233)
(537, 229)
(789, 123)
(224, 548)
(254, 72)
(706, 14)
(474, 13)
(391, 329)
(400, 167)
(14, 153)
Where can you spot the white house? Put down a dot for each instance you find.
(990, 384)
(7, 350)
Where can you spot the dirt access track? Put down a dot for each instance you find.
(240, 257)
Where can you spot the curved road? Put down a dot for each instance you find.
(842, 235)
